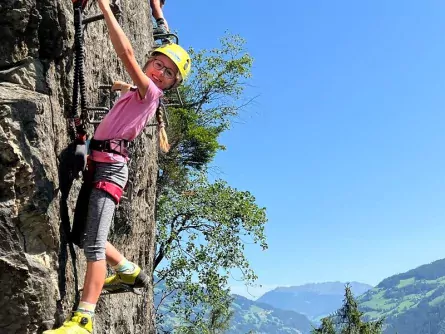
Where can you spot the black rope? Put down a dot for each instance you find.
(68, 168)
(79, 72)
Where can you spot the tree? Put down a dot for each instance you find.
(202, 234)
(212, 99)
(348, 319)
(203, 225)
(219, 318)
(441, 327)
(327, 327)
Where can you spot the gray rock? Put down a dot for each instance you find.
(39, 276)
(29, 74)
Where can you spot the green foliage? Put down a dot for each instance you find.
(219, 316)
(348, 319)
(218, 80)
(202, 226)
(211, 101)
(247, 316)
(327, 327)
(201, 235)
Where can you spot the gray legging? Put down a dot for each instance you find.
(101, 209)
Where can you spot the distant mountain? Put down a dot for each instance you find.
(264, 319)
(412, 302)
(249, 316)
(315, 300)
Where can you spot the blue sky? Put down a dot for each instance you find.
(344, 144)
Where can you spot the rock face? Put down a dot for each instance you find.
(40, 273)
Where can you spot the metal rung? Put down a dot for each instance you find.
(99, 110)
(157, 36)
(110, 92)
(93, 18)
(96, 114)
(115, 8)
(92, 121)
(173, 99)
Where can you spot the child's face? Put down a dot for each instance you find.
(162, 71)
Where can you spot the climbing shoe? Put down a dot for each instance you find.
(126, 280)
(80, 323)
(160, 29)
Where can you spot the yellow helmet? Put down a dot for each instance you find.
(178, 55)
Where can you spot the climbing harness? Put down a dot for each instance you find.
(109, 187)
(115, 146)
(83, 199)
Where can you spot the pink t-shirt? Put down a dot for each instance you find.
(126, 120)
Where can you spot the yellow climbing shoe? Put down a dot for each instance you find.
(80, 323)
(135, 279)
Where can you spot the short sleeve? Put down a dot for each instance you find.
(153, 93)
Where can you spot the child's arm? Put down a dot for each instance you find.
(124, 49)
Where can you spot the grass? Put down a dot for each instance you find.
(378, 302)
(440, 280)
(429, 293)
(437, 300)
(405, 305)
(373, 315)
(405, 282)
(379, 306)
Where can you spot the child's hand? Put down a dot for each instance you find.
(120, 85)
(117, 85)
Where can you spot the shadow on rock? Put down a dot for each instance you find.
(68, 171)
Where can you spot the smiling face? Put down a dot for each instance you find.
(162, 71)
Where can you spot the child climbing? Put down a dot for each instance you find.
(158, 14)
(166, 68)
